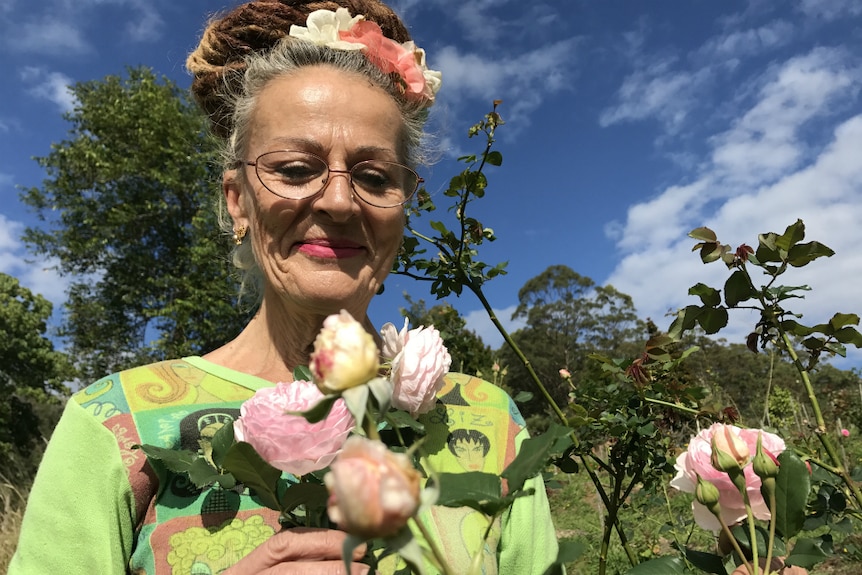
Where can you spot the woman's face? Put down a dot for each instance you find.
(331, 251)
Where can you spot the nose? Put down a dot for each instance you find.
(336, 197)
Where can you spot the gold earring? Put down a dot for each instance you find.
(239, 234)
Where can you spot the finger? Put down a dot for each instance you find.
(317, 568)
(294, 546)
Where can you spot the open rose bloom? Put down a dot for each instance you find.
(289, 442)
(420, 361)
(372, 491)
(696, 460)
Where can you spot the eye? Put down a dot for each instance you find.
(375, 177)
(296, 171)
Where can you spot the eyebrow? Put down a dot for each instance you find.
(315, 147)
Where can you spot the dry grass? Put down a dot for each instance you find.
(12, 502)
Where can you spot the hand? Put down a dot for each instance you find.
(300, 551)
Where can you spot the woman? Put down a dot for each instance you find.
(318, 144)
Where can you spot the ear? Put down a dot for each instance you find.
(234, 198)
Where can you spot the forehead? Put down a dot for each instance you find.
(328, 109)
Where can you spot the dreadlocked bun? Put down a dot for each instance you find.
(219, 60)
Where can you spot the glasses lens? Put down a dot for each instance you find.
(292, 175)
(383, 184)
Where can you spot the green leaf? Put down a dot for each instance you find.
(794, 234)
(401, 419)
(249, 468)
(660, 566)
(532, 457)
(707, 562)
(712, 319)
(523, 396)
(840, 320)
(468, 489)
(737, 289)
(709, 296)
(849, 335)
(568, 551)
(221, 442)
(318, 411)
(494, 158)
(202, 474)
(175, 460)
(803, 254)
(791, 493)
(312, 495)
(703, 234)
(809, 552)
(303, 373)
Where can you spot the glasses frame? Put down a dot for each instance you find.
(329, 171)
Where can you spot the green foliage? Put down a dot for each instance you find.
(568, 318)
(32, 373)
(127, 210)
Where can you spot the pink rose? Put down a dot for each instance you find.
(344, 356)
(372, 491)
(697, 461)
(565, 374)
(420, 361)
(289, 442)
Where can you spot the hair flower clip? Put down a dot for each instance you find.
(340, 31)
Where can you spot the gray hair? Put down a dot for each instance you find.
(287, 57)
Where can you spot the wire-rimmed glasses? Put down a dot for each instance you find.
(295, 175)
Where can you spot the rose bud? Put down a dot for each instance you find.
(708, 495)
(729, 451)
(372, 491)
(344, 356)
(765, 464)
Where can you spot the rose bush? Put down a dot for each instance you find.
(697, 460)
(289, 442)
(344, 356)
(372, 491)
(420, 361)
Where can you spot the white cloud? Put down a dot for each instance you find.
(657, 91)
(822, 187)
(39, 277)
(479, 323)
(522, 81)
(830, 9)
(51, 86)
(47, 36)
(739, 43)
(61, 27)
(764, 143)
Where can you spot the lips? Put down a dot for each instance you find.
(330, 248)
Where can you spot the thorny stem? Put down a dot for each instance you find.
(437, 556)
(821, 430)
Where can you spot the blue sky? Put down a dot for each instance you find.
(629, 123)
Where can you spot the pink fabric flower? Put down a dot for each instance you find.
(344, 356)
(420, 361)
(289, 442)
(391, 57)
(697, 461)
(372, 491)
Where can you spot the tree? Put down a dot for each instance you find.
(469, 354)
(568, 317)
(128, 212)
(31, 377)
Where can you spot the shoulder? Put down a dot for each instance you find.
(163, 382)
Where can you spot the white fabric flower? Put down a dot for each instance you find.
(324, 26)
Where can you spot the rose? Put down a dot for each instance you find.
(344, 356)
(729, 451)
(289, 442)
(420, 361)
(372, 491)
(697, 461)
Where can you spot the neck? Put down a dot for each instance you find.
(275, 342)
